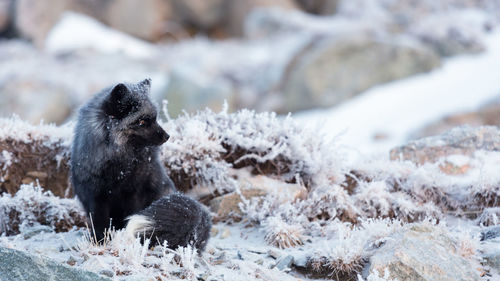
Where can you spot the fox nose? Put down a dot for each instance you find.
(165, 136)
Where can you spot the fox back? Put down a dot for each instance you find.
(115, 165)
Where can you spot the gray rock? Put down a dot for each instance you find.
(149, 24)
(424, 254)
(191, 92)
(319, 7)
(35, 100)
(34, 19)
(334, 68)
(67, 80)
(201, 14)
(16, 265)
(239, 10)
(107, 272)
(463, 140)
(284, 262)
(5, 16)
(453, 33)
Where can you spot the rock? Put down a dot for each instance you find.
(463, 140)
(332, 69)
(319, 7)
(14, 265)
(284, 263)
(107, 273)
(35, 100)
(5, 17)
(453, 33)
(68, 79)
(240, 9)
(189, 91)
(226, 207)
(144, 19)
(490, 233)
(203, 15)
(422, 253)
(97, 37)
(34, 19)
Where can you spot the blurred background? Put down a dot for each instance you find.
(377, 72)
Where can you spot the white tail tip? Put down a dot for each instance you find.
(138, 223)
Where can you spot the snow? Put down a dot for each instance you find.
(93, 35)
(48, 134)
(398, 108)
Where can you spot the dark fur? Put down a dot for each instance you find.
(115, 165)
(179, 220)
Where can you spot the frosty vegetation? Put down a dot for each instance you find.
(347, 212)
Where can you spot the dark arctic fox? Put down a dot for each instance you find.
(116, 171)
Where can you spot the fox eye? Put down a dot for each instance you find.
(141, 122)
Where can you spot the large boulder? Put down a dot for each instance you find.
(191, 91)
(35, 100)
(17, 265)
(424, 254)
(453, 33)
(34, 19)
(239, 10)
(144, 19)
(334, 68)
(68, 79)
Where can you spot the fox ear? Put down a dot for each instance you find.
(115, 106)
(146, 83)
(118, 92)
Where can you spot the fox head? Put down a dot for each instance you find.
(131, 116)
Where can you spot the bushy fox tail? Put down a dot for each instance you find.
(175, 218)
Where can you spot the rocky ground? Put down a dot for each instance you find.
(285, 206)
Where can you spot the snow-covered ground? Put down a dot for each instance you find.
(395, 110)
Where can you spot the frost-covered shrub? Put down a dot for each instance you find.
(377, 199)
(205, 145)
(31, 153)
(343, 255)
(31, 205)
(281, 234)
(329, 202)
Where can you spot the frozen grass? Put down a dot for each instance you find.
(204, 146)
(31, 205)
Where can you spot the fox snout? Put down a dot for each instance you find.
(161, 135)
